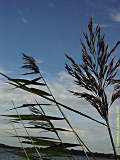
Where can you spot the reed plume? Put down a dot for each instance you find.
(96, 72)
(29, 63)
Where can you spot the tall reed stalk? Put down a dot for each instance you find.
(32, 65)
(63, 114)
(96, 72)
(22, 146)
(40, 157)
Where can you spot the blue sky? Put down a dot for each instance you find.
(46, 30)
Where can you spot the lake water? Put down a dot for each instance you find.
(4, 155)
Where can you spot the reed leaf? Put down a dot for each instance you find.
(49, 129)
(41, 142)
(34, 117)
(32, 104)
(29, 82)
(36, 91)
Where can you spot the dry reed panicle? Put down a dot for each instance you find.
(96, 72)
(30, 64)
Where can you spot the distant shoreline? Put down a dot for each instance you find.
(72, 151)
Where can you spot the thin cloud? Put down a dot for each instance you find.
(115, 15)
(39, 61)
(23, 19)
(2, 70)
(51, 5)
(64, 76)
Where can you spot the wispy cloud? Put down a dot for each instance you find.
(2, 70)
(23, 19)
(115, 15)
(39, 61)
(51, 5)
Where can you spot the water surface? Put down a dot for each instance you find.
(5, 155)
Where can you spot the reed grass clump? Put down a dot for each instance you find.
(96, 72)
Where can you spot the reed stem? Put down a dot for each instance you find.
(74, 132)
(27, 132)
(27, 156)
(111, 138)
